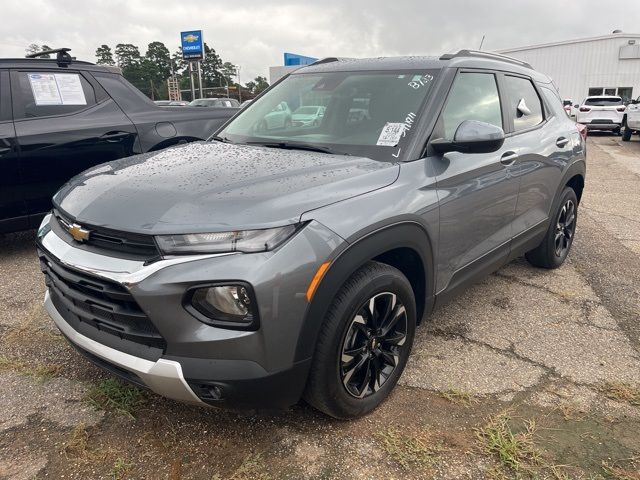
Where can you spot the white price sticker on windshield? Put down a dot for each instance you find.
(391, 134)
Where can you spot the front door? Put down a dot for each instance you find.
(476, 192)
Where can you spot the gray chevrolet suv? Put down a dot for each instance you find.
(279, 261)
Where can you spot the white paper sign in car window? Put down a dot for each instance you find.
(391, 134)
(57, 89)
(70, 89)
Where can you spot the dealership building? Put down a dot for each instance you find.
(606, 65)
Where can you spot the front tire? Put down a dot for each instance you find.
(364, 343)
(554, 248)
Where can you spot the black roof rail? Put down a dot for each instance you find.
(481, 54)
(325, 60)
(62, 55)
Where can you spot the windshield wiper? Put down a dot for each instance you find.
(221, 139)
(298, 146)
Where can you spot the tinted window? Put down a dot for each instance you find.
(43, 94)
(603, 101)
(553, 101)
(474, 96)
(524, 103)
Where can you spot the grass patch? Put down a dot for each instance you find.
(614, 471)
(114, 395)
(409, 450)
(120, 469)
(458, 397)
(41, 372)
(621, 392)
(515, 450)
(77, 446)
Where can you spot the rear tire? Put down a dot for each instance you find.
(555, 246)
(356, 364)
(626, 132)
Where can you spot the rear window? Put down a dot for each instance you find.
(603, 101)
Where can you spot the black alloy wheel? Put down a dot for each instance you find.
(371, 347)
(565, 228)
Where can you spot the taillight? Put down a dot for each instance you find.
(621, 109)
(585, 109)
(582, 129)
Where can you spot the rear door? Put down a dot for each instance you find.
(12, 208)
(65, 123)
(544, 138)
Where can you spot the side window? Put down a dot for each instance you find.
(553, 101)
(524, 103)
(43, 94)
(474, 96)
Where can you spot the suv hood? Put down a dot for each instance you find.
(212, 186)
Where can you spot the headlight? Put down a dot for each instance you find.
(241, 241)
(228, 306)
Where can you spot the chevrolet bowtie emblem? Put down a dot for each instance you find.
(78, 233)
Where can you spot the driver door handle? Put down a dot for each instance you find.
(115, 136)
(508, 158)
(4, 150)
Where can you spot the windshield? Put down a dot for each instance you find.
(368, 114)
(603, 101)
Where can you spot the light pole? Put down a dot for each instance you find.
(239, 84)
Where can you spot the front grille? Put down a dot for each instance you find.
(134, 245)
(100, 309)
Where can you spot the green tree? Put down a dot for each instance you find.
(104, 55)
(211, 68)
(35, 48)
(257, 85)
(228, 71)
(127, 55)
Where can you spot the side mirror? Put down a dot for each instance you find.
(576, 106)
(472, 137)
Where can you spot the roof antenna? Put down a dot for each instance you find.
(481, 42)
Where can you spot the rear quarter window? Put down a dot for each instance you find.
(51, 93)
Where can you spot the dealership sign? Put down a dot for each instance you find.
(192, 45)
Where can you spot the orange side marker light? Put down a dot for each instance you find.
(317, 278)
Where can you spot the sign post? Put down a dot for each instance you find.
(193, 50)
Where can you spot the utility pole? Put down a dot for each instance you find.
(193, 88)
(239, 84)
(200, 79)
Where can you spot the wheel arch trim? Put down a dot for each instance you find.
(359, 249)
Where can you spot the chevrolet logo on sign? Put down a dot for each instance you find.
(78, 233)
(191, 38)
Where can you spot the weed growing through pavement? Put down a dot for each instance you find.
(41, 372)
(457, 396)
(622, 392)
(515, 450)
(120, 469)
(409, 450)
(112, 394)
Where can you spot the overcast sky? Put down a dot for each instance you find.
(254, 34)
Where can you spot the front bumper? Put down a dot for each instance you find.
(164, 377)
(202, 363)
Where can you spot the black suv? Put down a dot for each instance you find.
(60, 116)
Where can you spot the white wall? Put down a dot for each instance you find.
(575, 66)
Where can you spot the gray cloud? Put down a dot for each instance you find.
(254, 34)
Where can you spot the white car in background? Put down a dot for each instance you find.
(631, 121)
(602, 112)
(569, 107)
